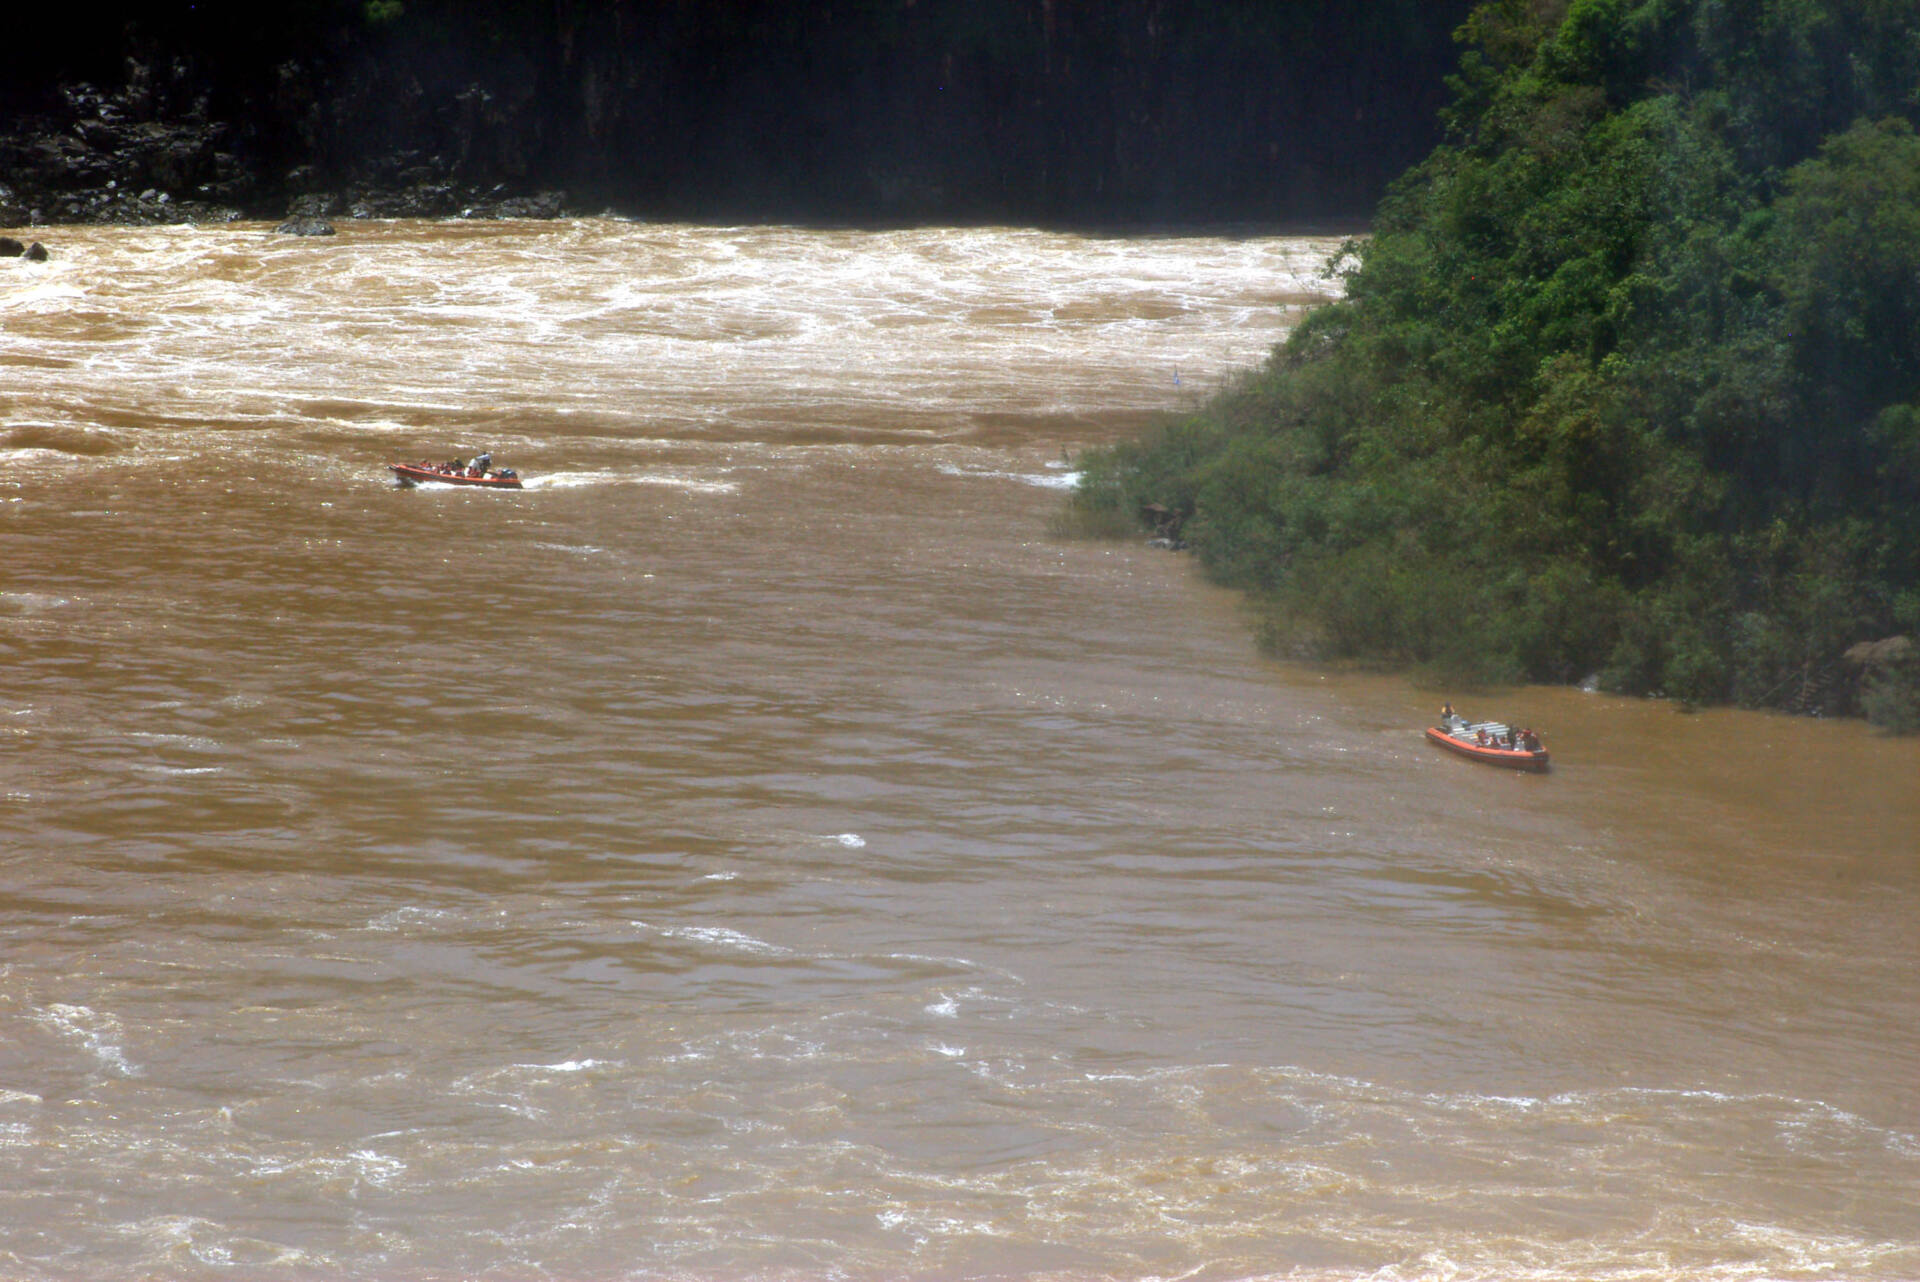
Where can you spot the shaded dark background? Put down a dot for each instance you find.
(1162, 111)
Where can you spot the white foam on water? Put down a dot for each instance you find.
(734, 940)
(651, 323)
(721, 937)
(193, 742)
(1043, 480)
(668, 480)
(26, 455)
(687, 484)
(374, 1169)
(570, 1066)
(370, 426)
(567, 480)
(851, 840)
(411, 917)
(99, 1034)
(924, 1225)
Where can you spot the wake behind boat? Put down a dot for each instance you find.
(458, 472)
(1493, 742)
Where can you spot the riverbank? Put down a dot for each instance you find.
(1624, 384)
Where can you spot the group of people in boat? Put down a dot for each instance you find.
(482, 466)
(1513, 740)
(1510, 739)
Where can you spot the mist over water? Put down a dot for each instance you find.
(760, 849)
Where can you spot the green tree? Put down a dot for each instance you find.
(1626, 379)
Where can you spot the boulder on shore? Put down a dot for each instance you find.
(1885, 653)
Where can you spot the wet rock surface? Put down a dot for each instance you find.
(305, 227)
(152, 150)
(105, 157)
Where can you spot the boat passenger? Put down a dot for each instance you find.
(1481, 735)
(481, 464)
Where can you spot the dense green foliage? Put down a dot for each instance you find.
(1626, 381)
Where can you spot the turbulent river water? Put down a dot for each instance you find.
(761, 849)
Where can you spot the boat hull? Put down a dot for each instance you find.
(1510, 758)
(410, 474)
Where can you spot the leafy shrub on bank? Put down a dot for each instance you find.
(1627, 379)
(1892, 699)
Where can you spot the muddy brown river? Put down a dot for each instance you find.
(762, 849)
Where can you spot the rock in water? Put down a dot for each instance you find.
(305, 227)
(11, 248)
(36, 253)
(546, 204)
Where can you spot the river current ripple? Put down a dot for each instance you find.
(763, 848)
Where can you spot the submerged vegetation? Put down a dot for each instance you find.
(1626, 380)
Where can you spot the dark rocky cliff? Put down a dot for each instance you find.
(1031, 110)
